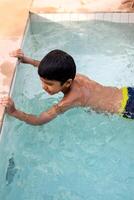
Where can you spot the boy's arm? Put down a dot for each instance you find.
(43, 118)
(24, 59)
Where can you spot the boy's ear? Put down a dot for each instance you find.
(68, 83)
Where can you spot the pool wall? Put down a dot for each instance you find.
(112, 17)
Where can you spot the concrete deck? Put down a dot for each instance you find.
(81, 6)
(13, 19)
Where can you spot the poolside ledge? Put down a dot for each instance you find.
(13, 19)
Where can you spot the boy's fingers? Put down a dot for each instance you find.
(4, 97)
(3, 105)
(18, 50)
(16, 53)
(13, 54)
(5, 100)
(10, 54)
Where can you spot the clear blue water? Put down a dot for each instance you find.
(81, 155)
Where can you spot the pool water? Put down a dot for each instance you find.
(80, 155)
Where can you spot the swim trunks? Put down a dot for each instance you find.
(127, 105)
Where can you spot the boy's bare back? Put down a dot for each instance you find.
(86, 92)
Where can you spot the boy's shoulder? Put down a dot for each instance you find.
(82, 77)
(84, 80)
(75, 95)
(70, 99)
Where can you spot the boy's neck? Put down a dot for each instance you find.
(66, 90)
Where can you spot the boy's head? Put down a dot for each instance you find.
(57, 67)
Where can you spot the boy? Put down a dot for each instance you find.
(57, 72)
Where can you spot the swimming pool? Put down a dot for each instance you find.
(80, 155)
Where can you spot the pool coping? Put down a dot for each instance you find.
(9, 64)
(81, 6)
(12, 30)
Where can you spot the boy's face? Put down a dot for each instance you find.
(51, 86)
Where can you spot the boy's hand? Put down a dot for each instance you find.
(17, 54)
(8, 103)
(24, 59)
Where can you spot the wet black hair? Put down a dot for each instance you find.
(57, 65)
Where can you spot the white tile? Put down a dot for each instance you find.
(91, 16)
(65, 16)
(99, 16)
(74, 17)
(131, 17)
(124, 18)
(116, 17)
(49, 17)
(107, 17)
(62, 17)
(82, 17)
(42, 17)
(57, 18)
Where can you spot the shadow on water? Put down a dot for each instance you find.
(11, 171)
